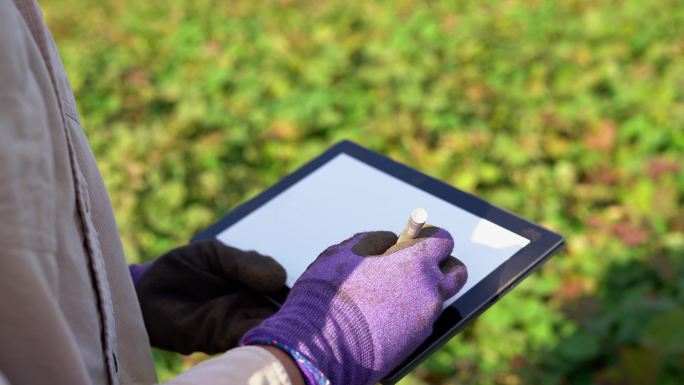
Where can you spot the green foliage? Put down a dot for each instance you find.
(569, 113)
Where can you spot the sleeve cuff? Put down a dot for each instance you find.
(312, 375)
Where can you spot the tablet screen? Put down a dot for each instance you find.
(346, 196)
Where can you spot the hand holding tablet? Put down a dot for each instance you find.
(364, 305)
(350, 189)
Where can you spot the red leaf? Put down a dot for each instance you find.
(603, 137)
(629, 234)
(660, 166)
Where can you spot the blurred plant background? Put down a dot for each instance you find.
(570, 113)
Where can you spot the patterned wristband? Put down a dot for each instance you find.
(312, 374)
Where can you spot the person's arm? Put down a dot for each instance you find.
(247, 365)
(290, 367)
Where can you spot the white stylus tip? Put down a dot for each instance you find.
(419, 215)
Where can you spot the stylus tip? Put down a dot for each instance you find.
(419, 215)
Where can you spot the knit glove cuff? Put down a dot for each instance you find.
(342, 349)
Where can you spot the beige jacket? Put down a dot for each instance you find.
(68, 310)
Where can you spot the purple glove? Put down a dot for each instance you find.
(364, 305)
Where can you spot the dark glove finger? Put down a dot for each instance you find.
(374, 243)
(256, 271)
(224, 329)
(241, 327)
(348, 243)
(210, 327)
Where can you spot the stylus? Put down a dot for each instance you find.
(414, 225)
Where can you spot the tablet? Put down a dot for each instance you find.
(349, 189)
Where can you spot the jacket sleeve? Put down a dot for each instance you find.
(247, 365)
(35, 340)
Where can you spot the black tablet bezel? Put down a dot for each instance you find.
(543, 243)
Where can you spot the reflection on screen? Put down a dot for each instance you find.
(346, 196)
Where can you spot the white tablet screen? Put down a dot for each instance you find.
(346, 196)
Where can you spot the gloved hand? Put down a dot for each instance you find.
(205, 296)
(364, 305)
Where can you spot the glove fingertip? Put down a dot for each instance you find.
(348, 244)
(455, 276)
(262, 273)
(374, 243)
(274, 278)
